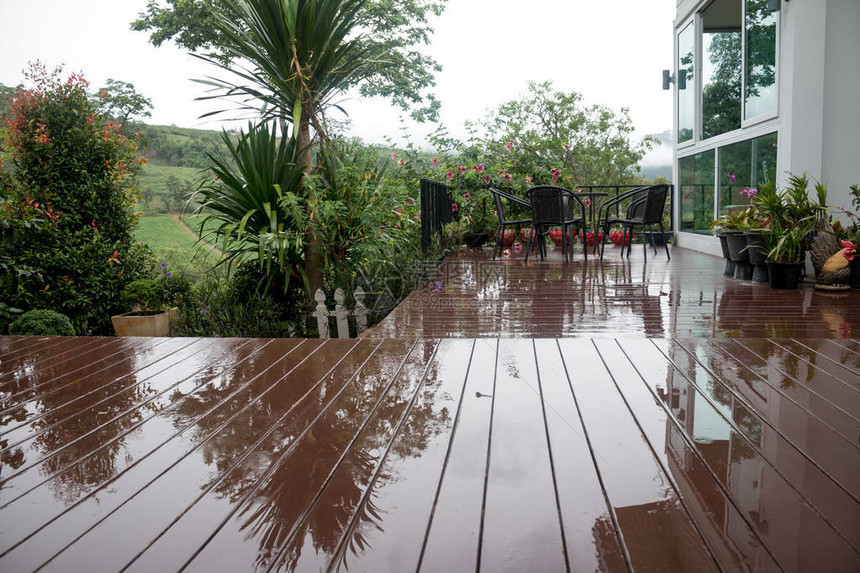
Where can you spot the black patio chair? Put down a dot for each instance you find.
(500, 197)
(605, 218)
(645, 210)
(554, 207)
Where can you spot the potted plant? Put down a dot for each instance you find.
(785, 256)
(791, 218)
(154, 303)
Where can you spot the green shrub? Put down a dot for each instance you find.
(66, 196)
(143, 294)
(42, 323)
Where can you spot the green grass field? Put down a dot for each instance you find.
(172, 245)
(154, 178)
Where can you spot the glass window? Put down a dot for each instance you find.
(760, 70)
(721, 67)
(696, 189)
(745, 164)
(685, 81)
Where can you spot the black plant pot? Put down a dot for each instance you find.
(476, 240)
(737, 243)
(855, 272)
(784, 275)
(756, 248)
(730, 265)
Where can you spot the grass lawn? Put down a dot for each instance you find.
(154, 178)
(173, 245)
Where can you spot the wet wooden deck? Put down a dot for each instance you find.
(706, 451)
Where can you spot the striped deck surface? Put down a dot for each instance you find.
(711, 450)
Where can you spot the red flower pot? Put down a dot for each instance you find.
(508, 237)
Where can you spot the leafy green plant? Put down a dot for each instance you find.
(252, 210)
(42, 323)
(144, 294)
(66, 193)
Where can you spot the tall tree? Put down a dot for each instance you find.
(396, 28)
(553, 128)
(122, 102)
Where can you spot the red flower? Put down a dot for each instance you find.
(454, 208)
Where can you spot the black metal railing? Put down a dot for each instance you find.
(436, 201)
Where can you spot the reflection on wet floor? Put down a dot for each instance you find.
(470, 295)
(687, 454)
(609, 416)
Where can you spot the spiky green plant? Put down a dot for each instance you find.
(252, 209)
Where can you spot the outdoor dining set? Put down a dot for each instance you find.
(591, 213)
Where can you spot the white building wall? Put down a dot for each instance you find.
(819, 98)
(841, 140)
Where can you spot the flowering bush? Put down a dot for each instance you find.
(66, 193)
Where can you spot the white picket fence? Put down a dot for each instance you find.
(341, 313)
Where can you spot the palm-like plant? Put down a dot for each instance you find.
(251, 209)
(297, 55)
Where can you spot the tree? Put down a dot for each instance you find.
(394, 28)
(66, 194)
(550, 129)
(121, 101)
(300, 54)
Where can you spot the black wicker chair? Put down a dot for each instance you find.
(645, 210)
(554, 207)
(500, 197)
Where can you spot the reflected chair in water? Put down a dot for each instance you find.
(555, 207)
(644, 210)
(500, 197)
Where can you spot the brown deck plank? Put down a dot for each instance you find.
(84, 364)
(307, 390)
(591, 538)
(20, 348)
(380, 533)
(656, 531)
(790, 369)
(74, 412)
(818, 353)
(403, 493)
(41, 531)
(453, 534)
(51, 402)
(472, 296)
(746, 361)
(729, 533)
(809, 436)
(56, 351)
(289, 488)
(737, 459)
(521, 528)
(246, 404)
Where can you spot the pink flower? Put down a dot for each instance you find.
(588, 202)
(529, 180)
(555, 174)
(393, 155)
(449, 175)
(467, 197)
(401, 162)
(509, 145)
(486, 178)
(434, 161)
(518, 247)
(461, 169)
(454, 208)
(731, 177)
(479, 167)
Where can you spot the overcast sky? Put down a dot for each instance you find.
(611, 51)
